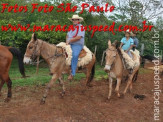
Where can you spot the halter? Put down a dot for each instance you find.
(56, 54)
(114, 59)
(120, 58)
(36, 51)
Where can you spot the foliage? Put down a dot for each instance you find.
(20, 39)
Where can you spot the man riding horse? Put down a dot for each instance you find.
(127, 44)
(136, 41)
(76, 40)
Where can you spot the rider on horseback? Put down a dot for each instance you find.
(127, 43)
(76, 40)
(136, 41)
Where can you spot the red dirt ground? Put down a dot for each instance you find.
(81, 103)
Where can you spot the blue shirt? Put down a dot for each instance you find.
(127, 43)
(136, 41)
(72, 33)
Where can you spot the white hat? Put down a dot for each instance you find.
(128, 31)
(76, 17)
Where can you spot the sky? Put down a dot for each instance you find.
(158, 7)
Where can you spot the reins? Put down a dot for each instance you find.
(121, 57)
(119, 52)
(56, 54)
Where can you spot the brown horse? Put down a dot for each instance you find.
(55, 57)
(5, 63)
(114, 67)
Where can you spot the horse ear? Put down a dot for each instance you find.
(34, 37)
(109, 43)
(116, 44)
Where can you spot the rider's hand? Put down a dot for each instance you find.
(126, 51)
(67, 42)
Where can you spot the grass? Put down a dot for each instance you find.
(43, 75)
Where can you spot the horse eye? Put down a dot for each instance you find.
(30, 47)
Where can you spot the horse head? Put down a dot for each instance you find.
(33, 49)
(111, 54)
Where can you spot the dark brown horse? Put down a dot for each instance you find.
(55, 57)
(5, 63)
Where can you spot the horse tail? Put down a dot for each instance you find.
(135, 76)
(92, 72)
(19, 56)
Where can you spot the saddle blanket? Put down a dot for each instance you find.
(81, 61)
(131, 63)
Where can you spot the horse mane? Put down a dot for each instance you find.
(116, 44)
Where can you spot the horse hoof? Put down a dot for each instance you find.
(118, 95)
(130, 91)
(89, 85)
(7, 100)
(62, 94)
(109, 98)
(42, 102)
(122, 96)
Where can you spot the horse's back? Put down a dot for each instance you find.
(4, 52)
(5, 59)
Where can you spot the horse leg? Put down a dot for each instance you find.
(1, 85)
(88, 73)
(62, 84)
(9, 94)
(134, 80)
(6, 78)
(54, 78)
(37, 68)
(131, 87)
(110, 87)
(128, 83)
(117, 86)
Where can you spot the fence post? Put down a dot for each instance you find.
(102, 60)
(95, 49)
(142, 49)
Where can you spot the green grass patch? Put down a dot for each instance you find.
(43, 75)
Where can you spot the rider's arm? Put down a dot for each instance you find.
(129, 48)
(75, 39)
(66, 38)
(131, 45)
(121, 45)
(136, 41)
(80, 34)
(122, 42)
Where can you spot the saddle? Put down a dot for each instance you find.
(131, 63)
(82, 53)
(85, 55)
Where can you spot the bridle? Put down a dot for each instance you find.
(33, 55)
(121, 57)
(35, 50)
(114, 57)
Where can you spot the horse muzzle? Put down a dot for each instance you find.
(27, 60)
(107, 68)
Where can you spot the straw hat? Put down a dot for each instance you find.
(128, 31)
(134, 32)
(76, 17)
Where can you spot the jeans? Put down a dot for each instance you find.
(76, 49)
(129, 53)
